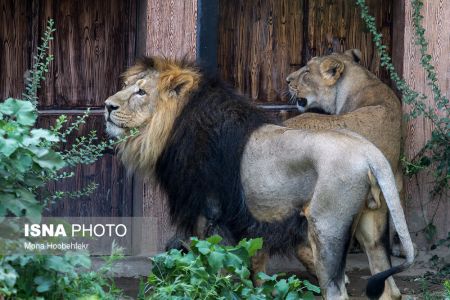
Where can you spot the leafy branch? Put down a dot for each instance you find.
(40, 65)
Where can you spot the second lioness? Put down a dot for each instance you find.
(359, 101)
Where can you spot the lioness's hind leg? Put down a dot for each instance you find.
(305, 256)
(259, 262)
(373, 234)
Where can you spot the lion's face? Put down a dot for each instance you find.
(155, 90)
(134, 105)
(316, 84)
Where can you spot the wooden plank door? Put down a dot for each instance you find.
(262, 41)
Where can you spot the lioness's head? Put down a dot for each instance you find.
(154, 91)
(319, 79)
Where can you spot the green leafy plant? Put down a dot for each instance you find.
(211, 271)
(436, 152)
(57, 277)
(447, 289)
(30, 158)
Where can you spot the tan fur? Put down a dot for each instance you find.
(360, 102)
(375, 191)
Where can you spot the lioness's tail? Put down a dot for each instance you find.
(381, 169)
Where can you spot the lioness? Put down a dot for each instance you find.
(357, 100)
(219, 157)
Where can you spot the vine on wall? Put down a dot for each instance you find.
(435, 154)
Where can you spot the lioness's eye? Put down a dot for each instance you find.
(141, 92)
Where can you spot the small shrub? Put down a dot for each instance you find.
(211, 271)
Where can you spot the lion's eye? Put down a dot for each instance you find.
(141, 92)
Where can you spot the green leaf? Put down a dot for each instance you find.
(77, 259)
(311, 287)
(254, 245)
(50, 161)
(232, 260)
(308, 296)
(37, 135)
(282, 288)
(292, 296)
(203, 247)
(8, 146)
(59, 264)
(23, 111)
(44, 284)
(8, 275)
(265, 277)
(214, 239)
(23, 162)
(215, 260)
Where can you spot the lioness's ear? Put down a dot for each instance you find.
(354, 54)
(178, 83)
(331, 69)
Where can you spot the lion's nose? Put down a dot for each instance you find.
(289, 78)
(110, 107)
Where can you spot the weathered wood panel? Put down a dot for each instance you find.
(94, 42)
(170, 28)
(260, 43)
(113, 196)
(170, 31)
(420, 205)
(14, 56)
(336, 25)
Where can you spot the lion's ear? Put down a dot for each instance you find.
(354, 54)
(331, 69)
(180, 82)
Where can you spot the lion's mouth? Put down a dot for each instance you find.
(110, 122)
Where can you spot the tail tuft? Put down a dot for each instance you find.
(375, 285)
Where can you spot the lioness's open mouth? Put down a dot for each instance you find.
(302, 102)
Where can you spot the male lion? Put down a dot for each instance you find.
(357, 100)
(217, 156)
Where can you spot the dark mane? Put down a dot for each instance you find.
(199, 168)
